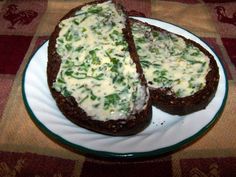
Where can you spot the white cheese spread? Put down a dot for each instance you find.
(96, 66)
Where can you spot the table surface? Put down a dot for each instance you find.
(26, 151)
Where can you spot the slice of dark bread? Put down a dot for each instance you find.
(94, 84)
(182, 76)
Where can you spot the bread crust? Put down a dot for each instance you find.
(68, 106)
(172, 104)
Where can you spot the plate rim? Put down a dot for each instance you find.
(81, 149)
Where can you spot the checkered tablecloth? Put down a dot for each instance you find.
(26, 151)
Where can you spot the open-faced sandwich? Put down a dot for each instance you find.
(182, 76)
(94, 72)
(97, 59)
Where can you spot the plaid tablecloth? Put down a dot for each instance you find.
(26, 151)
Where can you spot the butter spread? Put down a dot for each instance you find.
(96, 66)
(169, 62)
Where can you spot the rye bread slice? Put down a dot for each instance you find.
(165, 99)
(135, 122)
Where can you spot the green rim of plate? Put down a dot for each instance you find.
(107, 154)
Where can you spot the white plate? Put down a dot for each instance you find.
(165, 133)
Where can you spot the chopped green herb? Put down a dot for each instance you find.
(85, 98)
(79, 76)
(155, 33)
(68, 47)
(138, 47)
(94, 9)
(83, 30)
(61, 80)
(115, 32)
(68, 72)
(119, 55)
(92, 96)
(179, 93)
(78, 49)
(156, 65)
(95, 59)
(196, 53)
(84, 66)
(118, 79)
(96, 105)
(173, 38)
(65, 92)
(124, 107)
(111, 100)
(121, 42)
(68, 63)
(75, 22)
(83, 18)
(193, 61)
(154, 50)
(145, 63)
(141, 40)
(99, 76)
(60, 40)
(116, 36)
(68, 36)
(200, 70)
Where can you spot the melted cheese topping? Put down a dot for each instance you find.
(96, 67)
(168, 62)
